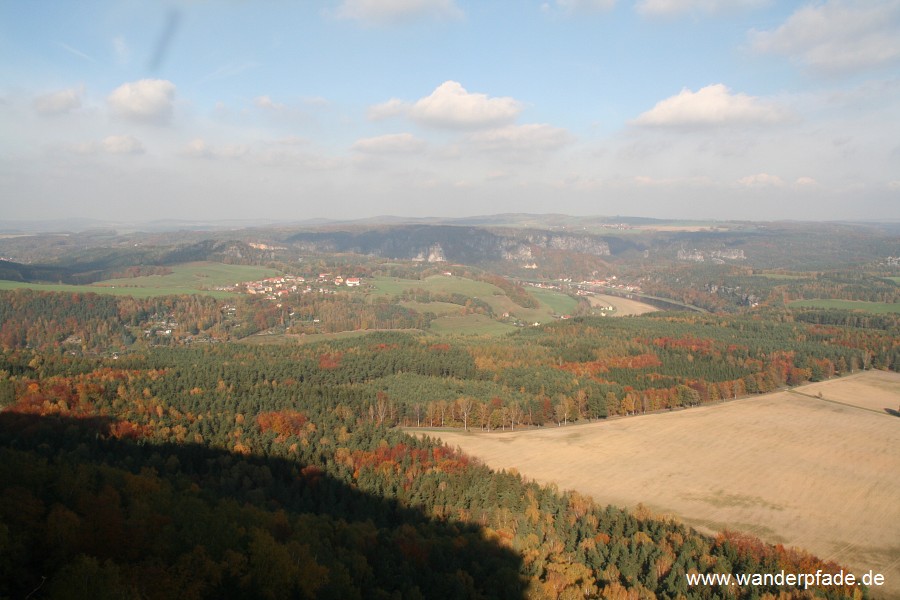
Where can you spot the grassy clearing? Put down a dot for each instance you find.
(894, 279)
(113, 291)
(561, 304)
(872, 307)
(195, 276)
(788, 467)
(312, 338)
(439, 308)
(470, 324)
(187, 278)
(551, 302)
(785, 276)
(392, 286)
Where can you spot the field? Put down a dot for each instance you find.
(789, 467)
(872, 307)
(114, 291)
(551, 303)
(622, 306)
(262, 339)
(783, 276)
(438, 308)
(192, 277)
(561, 304)
(188, 278)
(469, 324)
(391, 286)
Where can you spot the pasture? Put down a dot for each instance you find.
(438, 308)
(789, 467)
(469, 324)
(561, 304)
(193, 277)
(187, 278)
(872, 307)
(551, 303)
(392, 286)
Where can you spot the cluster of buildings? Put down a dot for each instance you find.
(586, 287)
(716, 256)
(285, 285)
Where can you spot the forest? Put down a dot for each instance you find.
(246, 472)
(580, 369)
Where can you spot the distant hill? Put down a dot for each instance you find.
(438, 243)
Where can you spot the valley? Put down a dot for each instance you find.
(633, 404)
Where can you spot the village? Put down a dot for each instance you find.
(586, 287)
(275, 288)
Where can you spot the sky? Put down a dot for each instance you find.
(344, 109)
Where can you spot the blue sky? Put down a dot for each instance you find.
(724, 109)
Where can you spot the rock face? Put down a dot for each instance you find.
(442, 243)
(717, 256)
(435, 254)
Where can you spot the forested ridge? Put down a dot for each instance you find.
(570, 370)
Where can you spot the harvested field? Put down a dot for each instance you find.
(788, 467)
(874, 390)
(623, 306)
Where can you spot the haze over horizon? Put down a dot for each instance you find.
(712, 109)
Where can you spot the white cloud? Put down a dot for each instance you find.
(386, 110)
(122, 144)
(198, 148)
(58, 103)
(713, 105)
(582, 6)
(201, 149)
(646, 181)
(286, 153)
(451, 106)
(806, 182)
(894, 186)
(113, 144)
(676, 7)
(395, 143)
(147, 100)
(266, 103)
(761, 180)
(382, 12)
(837, 36)
(521, 141)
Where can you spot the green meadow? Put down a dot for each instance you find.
(872, 307)
(187, 278)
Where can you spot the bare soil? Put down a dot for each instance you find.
(624, 307)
